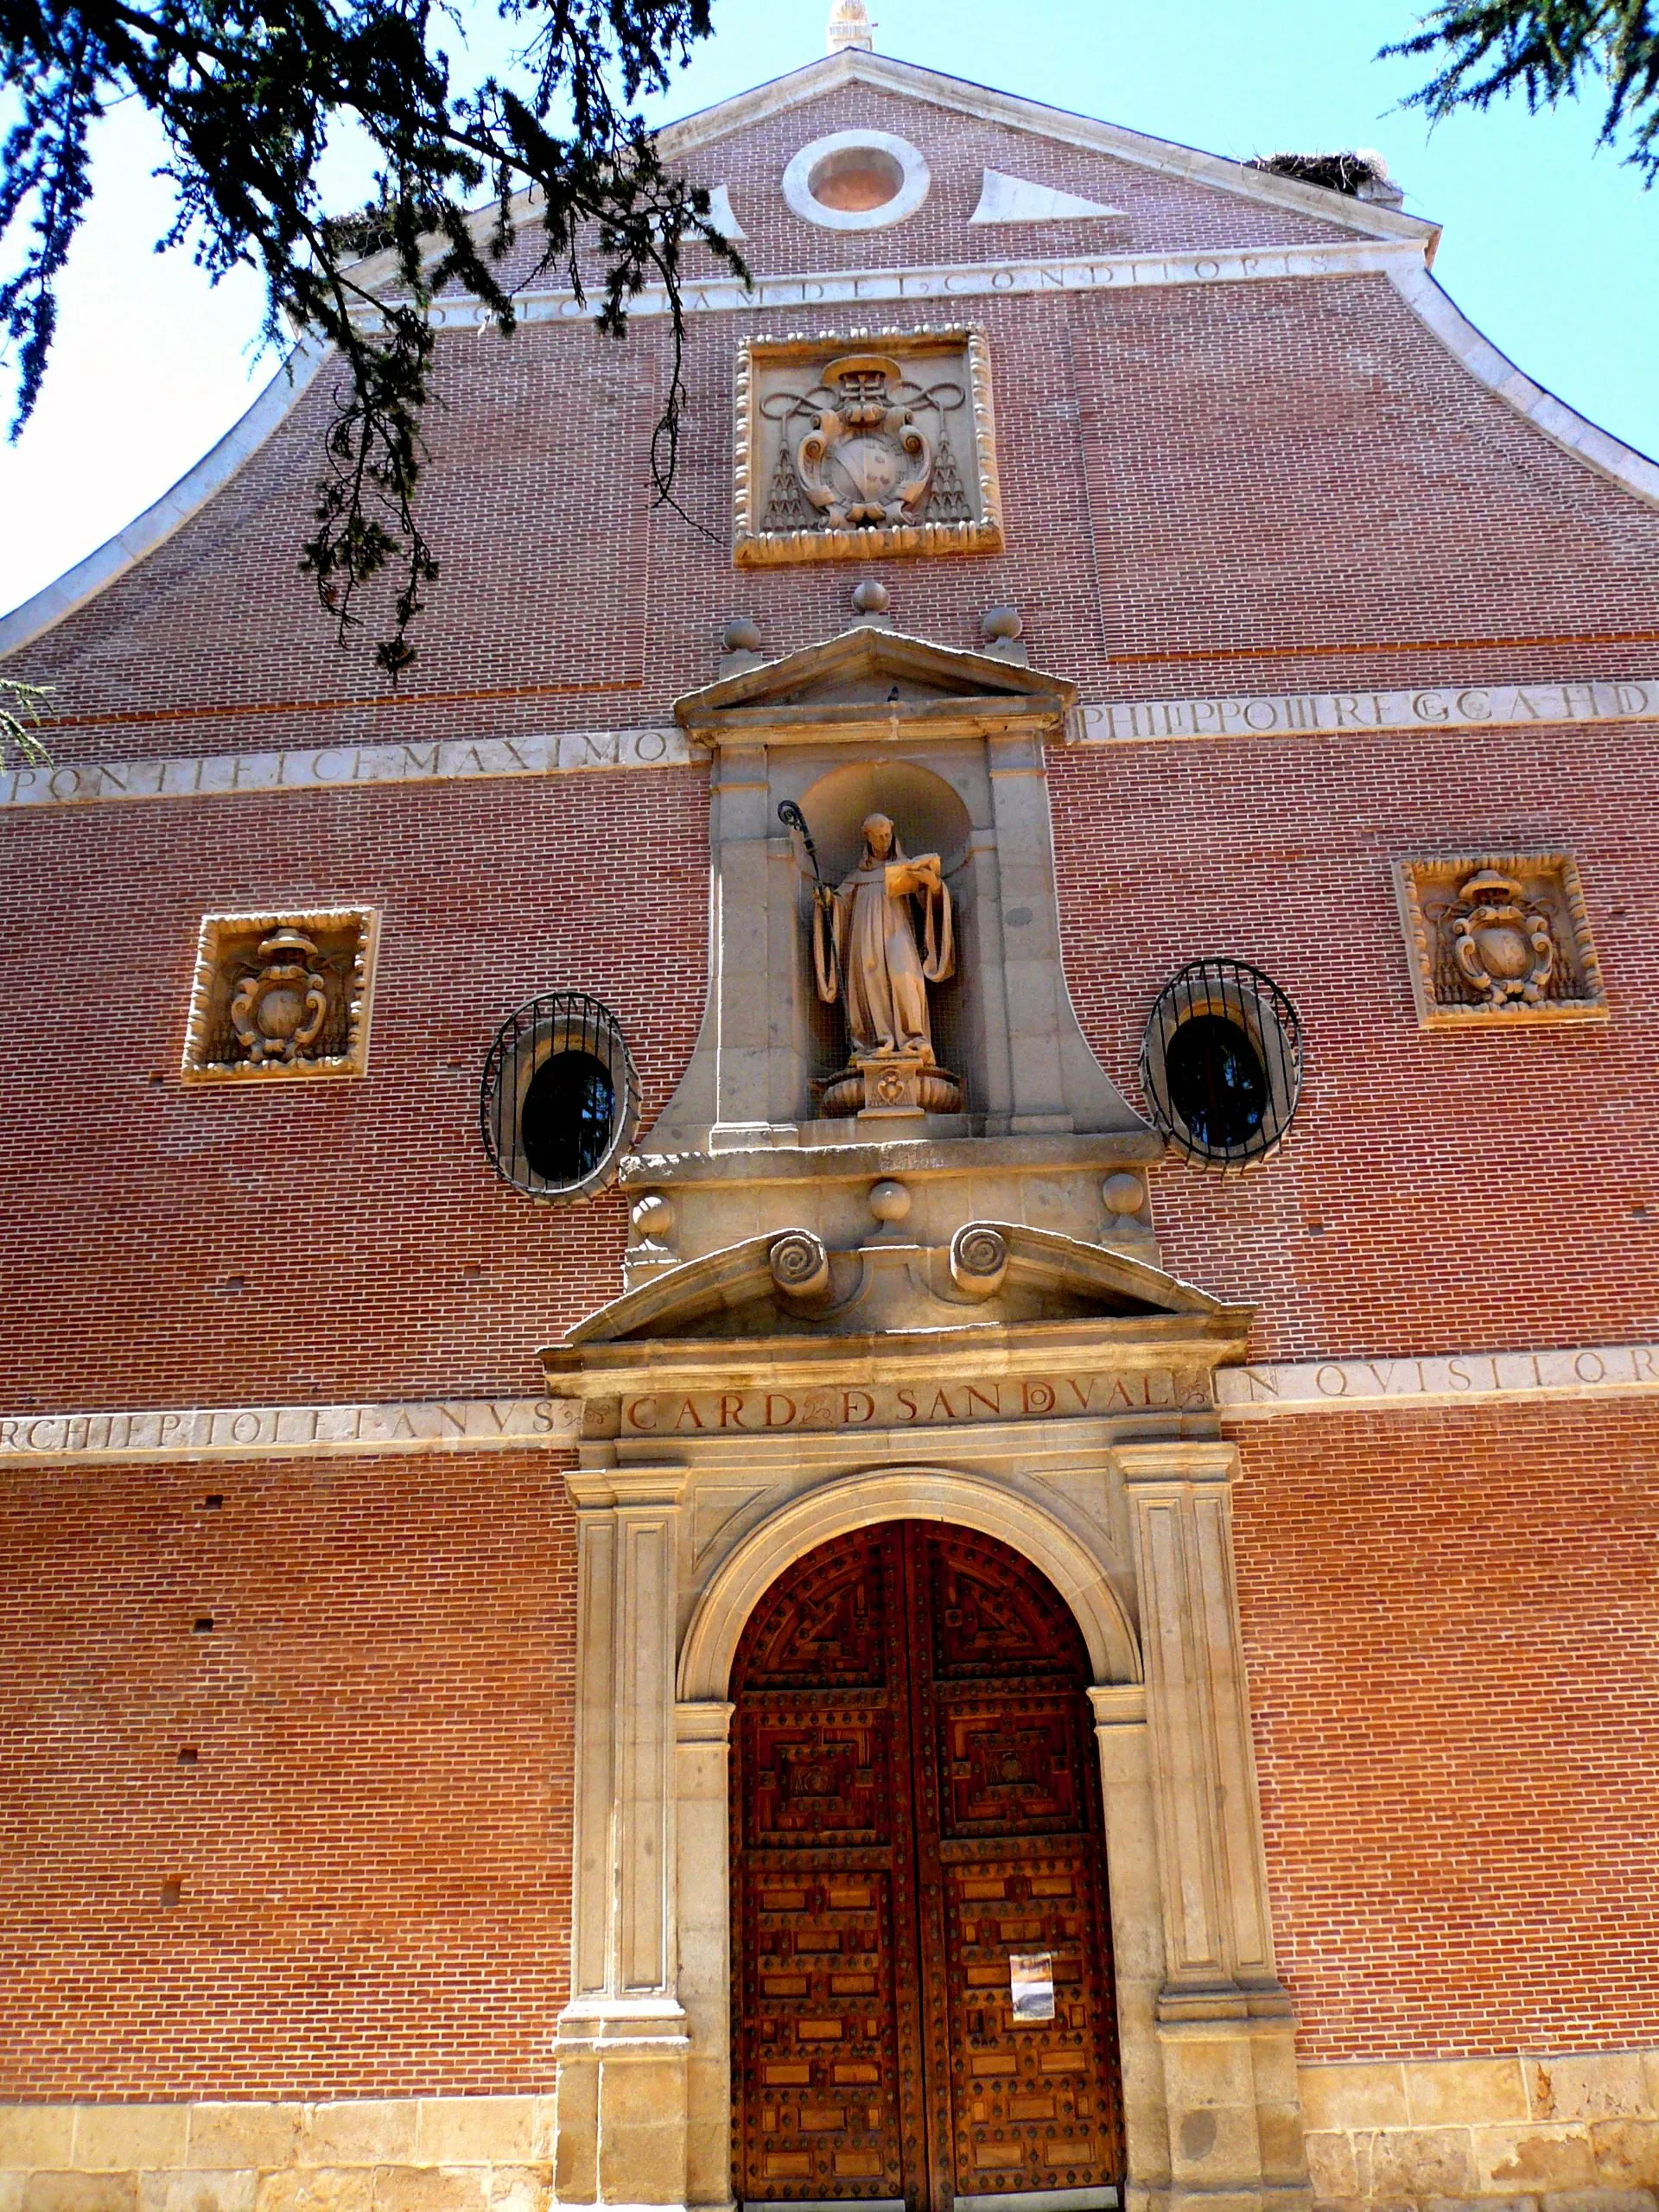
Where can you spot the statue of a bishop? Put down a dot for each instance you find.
(874, 963)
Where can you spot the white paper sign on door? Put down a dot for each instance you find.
(1031, 1984)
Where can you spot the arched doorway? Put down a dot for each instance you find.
(921, 1986)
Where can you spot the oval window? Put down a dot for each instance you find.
(564, 1124)
(1220, 1064)
(1217, 1082)
(560, 1099)
(856, 181)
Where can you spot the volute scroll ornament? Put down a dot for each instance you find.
(866, 460)
(1502, 945)
(278, 1013)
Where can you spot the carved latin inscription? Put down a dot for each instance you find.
(1499, 940)
(281, 995)
(913, 1405)
(846, 450)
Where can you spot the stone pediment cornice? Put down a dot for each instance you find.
(783, 1289)
(684, 141)
(873, 682)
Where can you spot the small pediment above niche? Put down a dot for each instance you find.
(870, 682)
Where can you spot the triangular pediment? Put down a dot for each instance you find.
(702, 132)
(869, 667)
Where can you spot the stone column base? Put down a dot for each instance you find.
(620, 2107)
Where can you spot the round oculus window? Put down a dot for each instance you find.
(559, 1102)
(856, 181)
(1220, 1064)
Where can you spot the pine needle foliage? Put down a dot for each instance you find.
(20, 712)
(247, 92)
(1549, 50)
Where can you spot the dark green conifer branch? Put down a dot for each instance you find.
(1549, 50)
(246, 96)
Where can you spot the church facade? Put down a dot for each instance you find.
(836, 1383)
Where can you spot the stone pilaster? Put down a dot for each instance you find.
(703, 1734)
(1222, 2019)
(620, 2126)
(1121, 1731)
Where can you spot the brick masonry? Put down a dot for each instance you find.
(1280, 488)
(359, 1885)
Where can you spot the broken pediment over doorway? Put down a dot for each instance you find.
(1001, 1322)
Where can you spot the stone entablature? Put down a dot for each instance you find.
(973, 1395)
(337, 768)
(1117, 272)
(1333, 714)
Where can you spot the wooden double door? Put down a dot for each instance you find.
(917, 1845)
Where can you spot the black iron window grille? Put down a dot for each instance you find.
(1220, 1064)
(559, 1101)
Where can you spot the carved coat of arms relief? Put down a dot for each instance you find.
(1499, 939)
(846, 451)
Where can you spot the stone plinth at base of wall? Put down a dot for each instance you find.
(1530, 2134)
(1525, 2134)
(415, 2154)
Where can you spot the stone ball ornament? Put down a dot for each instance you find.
(870, 596)
(889, 1202)
(1123, 1194)
(653, 1220)
(1002, 624)
(742, 636)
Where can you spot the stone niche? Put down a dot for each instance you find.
(867, 444)
(282, 996)
(761, 1132)
(1497, 941)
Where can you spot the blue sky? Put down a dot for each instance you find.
(1550, 245)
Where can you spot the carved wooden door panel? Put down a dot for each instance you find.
(915, 1804)
(827, 2063)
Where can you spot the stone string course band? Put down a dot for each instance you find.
(1091, 272)
(1323, 714)
(475, 1424)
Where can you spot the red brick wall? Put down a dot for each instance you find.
(1454, 1651)
(372, 1847)
(1246, 488)
(182, 1244)
(1439, 1191)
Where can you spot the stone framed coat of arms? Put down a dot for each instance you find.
(1499, 940)
(281, 996)
(867, 444)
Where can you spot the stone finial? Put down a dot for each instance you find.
(849, 25)
(889, 1202)
(870, 597)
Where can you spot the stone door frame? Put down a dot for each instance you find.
(1211, 2115)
